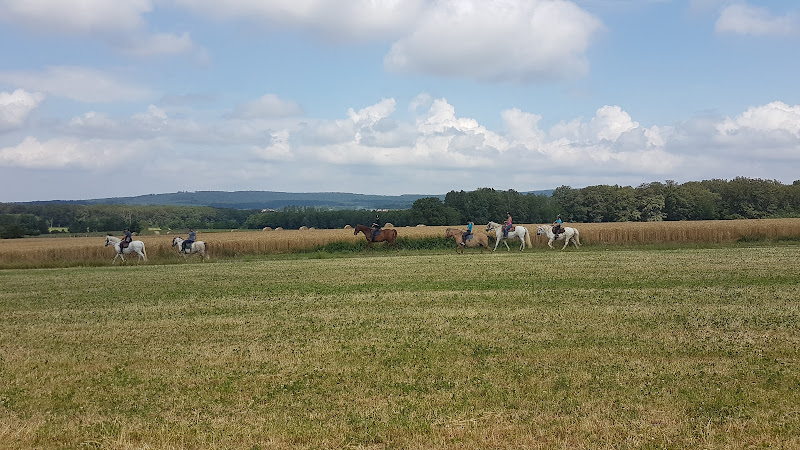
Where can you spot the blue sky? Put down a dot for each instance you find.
(107, 98)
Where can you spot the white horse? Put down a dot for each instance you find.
(198, 247)
(568, 235)
(518, 232)
(133, 247)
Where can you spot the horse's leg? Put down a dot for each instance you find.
(496, 243)
(505, 241)
(550, 243)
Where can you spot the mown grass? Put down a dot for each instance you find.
(636, 348)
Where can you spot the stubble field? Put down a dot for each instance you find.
(596, 348)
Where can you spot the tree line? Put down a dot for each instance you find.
(739, 198)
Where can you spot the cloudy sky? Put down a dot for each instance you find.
(106, 98)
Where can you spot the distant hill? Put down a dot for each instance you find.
(260, 200)
(265, 200)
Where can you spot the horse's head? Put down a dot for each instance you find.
(355, 230)
(491, 226)
(540, 230)
(449, 233)
(108, 241)
(175, 241)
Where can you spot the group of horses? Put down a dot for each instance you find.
(387, 235)
(480, 240)
(137, 247)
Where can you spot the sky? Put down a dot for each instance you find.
(113, 98)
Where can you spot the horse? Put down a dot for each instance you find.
(387, 235)
(133, 247)
(475, 240)
(519, 232)
(198, 247)
(569, 235)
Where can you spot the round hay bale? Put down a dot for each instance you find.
(421, 225)
(388, 225)
(312, 228)
(279, 229)
(303, 228)
(348, 227)
(266, 229)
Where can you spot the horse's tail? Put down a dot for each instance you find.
(577, 236)
(144, 252)
(528, 238)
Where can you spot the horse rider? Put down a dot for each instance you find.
(557, 228)
(508, 226)
(126, 239)
(376, 227)
(467, 234)
(187, 244)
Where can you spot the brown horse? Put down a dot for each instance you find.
(478, 239)
(386, 235)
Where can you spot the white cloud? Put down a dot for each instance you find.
(278, 149)
(742, 18)
(372, 114)
(69, 153)
(118, 23)
(77, 83)
(16, 107)
(335, 19)
(610, 122)
(506, 40)
(775, 116)
(158, 44)
(270, 106)
(438, 149)
(81, 17)
(497, 40)
(762, 133)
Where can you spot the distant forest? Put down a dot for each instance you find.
(716, 199)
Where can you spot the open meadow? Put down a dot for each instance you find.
(618, 347)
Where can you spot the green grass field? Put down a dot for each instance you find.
(621, 348)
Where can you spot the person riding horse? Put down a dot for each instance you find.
(376, 227)
(187, 244)
(125, 240)
(557, 228)
(508, 226)
(467, 234)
